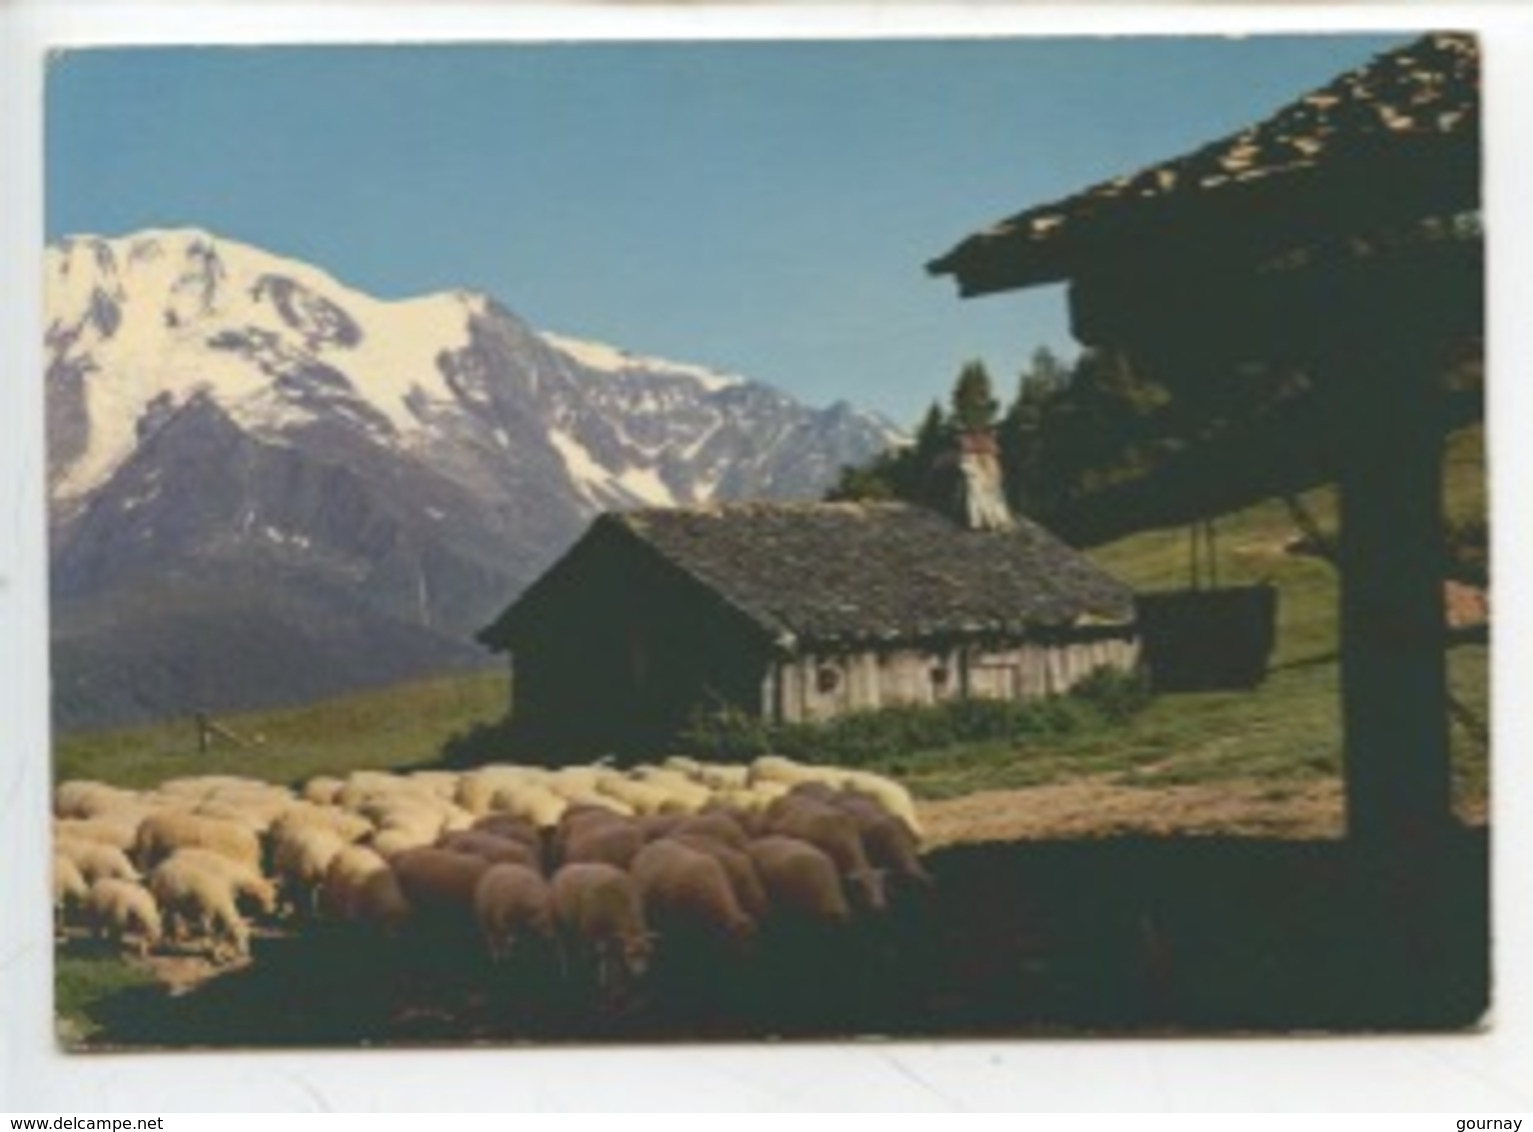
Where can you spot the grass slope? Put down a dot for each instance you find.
(396, 727)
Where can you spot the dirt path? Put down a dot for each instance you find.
(1100, 807)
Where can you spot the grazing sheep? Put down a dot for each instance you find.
(800, 880)
(161, 834)
(658, 825)
(391, 843)
(352, 827)
(615, 842)
(189, 891)
(476, 789)
(492, 848)
(117, 828)
(737, 867)
(513, 829)
(439, 881)
(255, 813)
(364, 786)
(349, 869)
(442, 784)
(513, 903)
(252, 891)
(720, 825)
(97, 861)
(531, 801)
(683, 794)
(80, 798)
(300, 858)
(322, 790)
(601, 918)
(682, 764)
(642, 797)
(888, 841)
(790, 772)
(381, 904)
(722, 776)
(576, 783)
(887, 793)
(123, 910)
(69, 888)
(838, 835)
(686, 892)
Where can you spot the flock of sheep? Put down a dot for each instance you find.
(598, 866)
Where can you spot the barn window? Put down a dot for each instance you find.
(827, 678)
(939, 676)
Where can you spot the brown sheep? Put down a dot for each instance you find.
(614, 843)
(720, 824)
(511, 828)
(380, 903)
(800, 880)
(492, 848)
(601, 916)
(439, 881)
(743, 880)
(513, 903)
(686, 891)
(838, 835)
(889, 842)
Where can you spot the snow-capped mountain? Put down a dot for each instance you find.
(265, 485)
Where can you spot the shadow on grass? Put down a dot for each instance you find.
(1123, 935)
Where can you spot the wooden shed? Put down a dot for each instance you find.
(794, 612)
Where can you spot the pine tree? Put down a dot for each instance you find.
(974, 405)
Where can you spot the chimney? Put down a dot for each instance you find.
(981, 499)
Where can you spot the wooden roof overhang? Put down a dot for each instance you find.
(1341, 235)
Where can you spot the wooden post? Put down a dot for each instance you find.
(1386, 432)
(1387, 441)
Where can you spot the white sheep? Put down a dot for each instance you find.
(322, 789)
(161, 834)
(529, 800)
(350, 826)
(116, 828)
(96, 860)
(124, 910)
(253, 891)
(191, 892)
(80, 798)
(300, 858)
(69, 888)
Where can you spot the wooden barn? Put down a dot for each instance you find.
(794, 612)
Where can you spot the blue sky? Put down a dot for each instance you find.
(764, 207)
